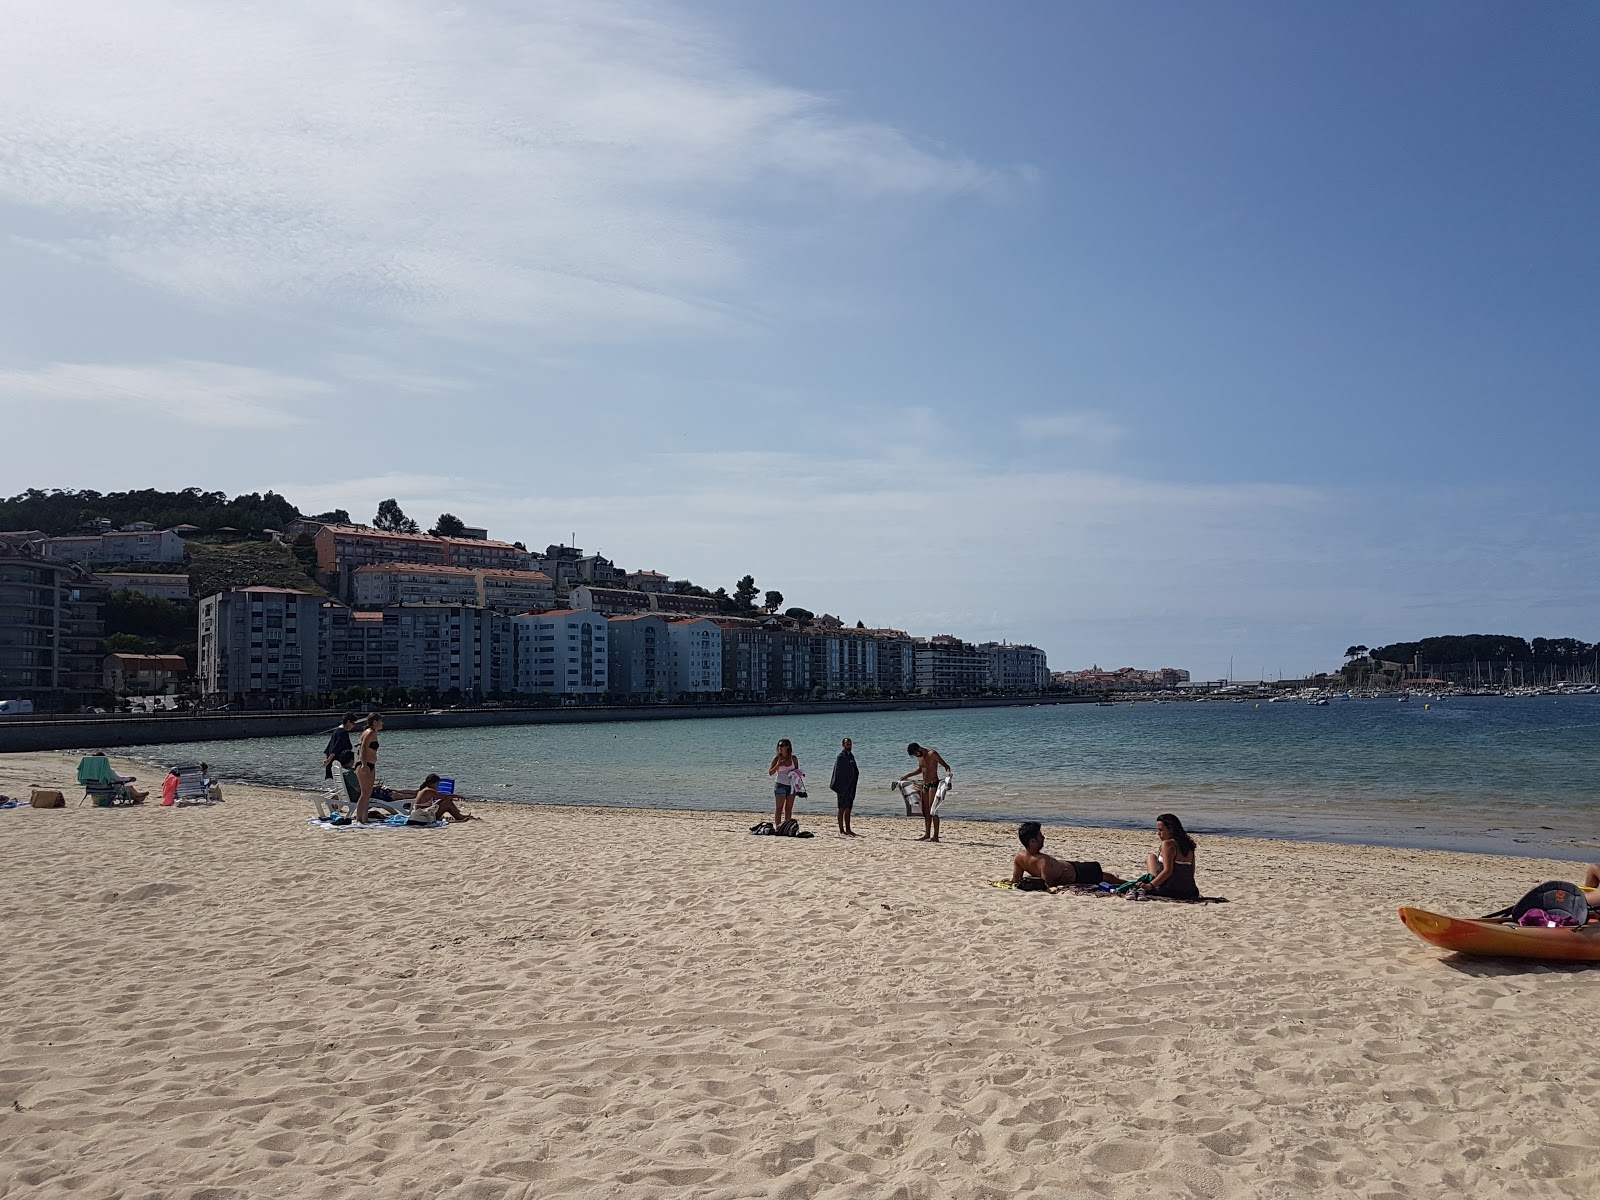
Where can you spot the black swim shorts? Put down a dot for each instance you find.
(1086, 874)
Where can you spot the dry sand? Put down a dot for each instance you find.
(224, 1002)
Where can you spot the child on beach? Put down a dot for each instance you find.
(785, 768)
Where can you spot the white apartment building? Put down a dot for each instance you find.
(695, 656)
(561, 653)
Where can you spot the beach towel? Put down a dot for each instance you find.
(398, 821)
(1104, 890)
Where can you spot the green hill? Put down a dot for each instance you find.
(218, 566)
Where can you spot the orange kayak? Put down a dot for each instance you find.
(1490, 939)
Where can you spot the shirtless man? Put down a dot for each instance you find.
(928, 763)
(1032, 860)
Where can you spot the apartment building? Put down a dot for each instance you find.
(259, 643)
(379, 585)
(844, 660)
(947, 666)
(438, 649)
(746, 658)
(116, 546)
(609, 601)
(695, 656)
(1016, 668)
(790, 672)
(561, 653)
(345, 547)
(649, 581)
(51, 646)
(639, 655)
(146, 583)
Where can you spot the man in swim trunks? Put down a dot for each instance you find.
(928, 763)
(1032, 860)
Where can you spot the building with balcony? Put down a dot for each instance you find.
(343, 548)
(379, 585)
(259, 644)
(695, 656)
(609, 601)
(560, 653)
(947, 666)
(1016, 668)
(51, 635)
(143, 674)
(746, 658)
(146, 583)
(116, 546)
(639, 655)
(649, 581)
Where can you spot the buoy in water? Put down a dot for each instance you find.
(1427, 708)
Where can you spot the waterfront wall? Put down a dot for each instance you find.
(98, 733)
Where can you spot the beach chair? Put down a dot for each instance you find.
(101, 784)
(193, 787)
(342, 798)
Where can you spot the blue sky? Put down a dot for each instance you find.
(1154, 334)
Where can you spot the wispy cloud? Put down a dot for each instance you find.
(1086, 427)
(569, 167)
(183, 393)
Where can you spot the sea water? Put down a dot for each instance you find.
(1509, 775)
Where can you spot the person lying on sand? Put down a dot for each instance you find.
(1032, 860)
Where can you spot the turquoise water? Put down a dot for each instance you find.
(1514, 775)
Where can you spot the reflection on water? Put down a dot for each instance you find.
(1513, 775)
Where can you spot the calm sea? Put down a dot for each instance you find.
(1509, 775)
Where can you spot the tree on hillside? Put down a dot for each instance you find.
(391, 520)
(334, 516)
(744, 592)
(448, 525)
(724, 601)
(774, 599)
(1355, 652)
(803, 615)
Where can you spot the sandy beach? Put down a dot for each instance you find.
(225, 1002)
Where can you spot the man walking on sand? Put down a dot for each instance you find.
(928, 763)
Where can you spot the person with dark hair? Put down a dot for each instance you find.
(367, 764)
(929, 761)
(429, 804)
(1031, 860)
(338, 744)
(1173, 867)
(843, 785)
(787, 781)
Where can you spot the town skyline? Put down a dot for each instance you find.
(1166, 336)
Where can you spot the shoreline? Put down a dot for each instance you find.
(63, 765)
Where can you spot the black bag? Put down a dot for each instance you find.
(1555, 896)
(762, 828)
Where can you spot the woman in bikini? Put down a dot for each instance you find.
(367, 764)
(786, 769)
(430, 804)
(1173, 867)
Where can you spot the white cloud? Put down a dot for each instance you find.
(1086, 427)
(569, 167)
(202, 394)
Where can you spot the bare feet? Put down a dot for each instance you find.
(924, 838)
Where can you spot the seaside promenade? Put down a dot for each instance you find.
(226, 1003)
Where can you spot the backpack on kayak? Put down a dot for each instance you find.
(1552, 898)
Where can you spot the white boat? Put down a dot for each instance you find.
(1319, 702)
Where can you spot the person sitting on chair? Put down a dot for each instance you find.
(1031, 860)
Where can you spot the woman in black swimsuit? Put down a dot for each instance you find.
(367, 764)
(1173, 868)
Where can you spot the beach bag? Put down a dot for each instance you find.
(1555, 896)
(47, 798)
(215, 793)
(762, 829)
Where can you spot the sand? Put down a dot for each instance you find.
(224, 1002)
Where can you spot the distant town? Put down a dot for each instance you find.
(323, 610)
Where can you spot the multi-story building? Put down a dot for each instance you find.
(50, 630)
(1016, 668)
(143, 674)
(343, 548)
(684, 606)
(359, 649)
(947, 666)
(117, 546)
(259, 643)
(610, 601)
(746, 658)
(562, 653)
(378, 585)
(648, 581)
(561, 564)
(639, 658)
(844, 660)
(896, 660)
(695, 656)
(438, 649)
(601, 571)
(146, 583)
(790, 673)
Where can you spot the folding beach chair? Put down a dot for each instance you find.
(193, 787)
(101, 784)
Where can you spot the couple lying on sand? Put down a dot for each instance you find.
(1170, 870)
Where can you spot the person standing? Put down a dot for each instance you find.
(785, 770)
(338, 744)
(843, 785)
(367, 764)
(929, 761)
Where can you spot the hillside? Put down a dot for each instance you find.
(218, 566)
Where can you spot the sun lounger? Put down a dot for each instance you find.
(104, 786)
(341, 800)
(193, 786)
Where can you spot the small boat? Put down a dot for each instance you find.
(1492, 939)
(1319, 702)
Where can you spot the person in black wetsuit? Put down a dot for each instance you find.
(843, 785)
(1032, 861)
(1173, 867)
